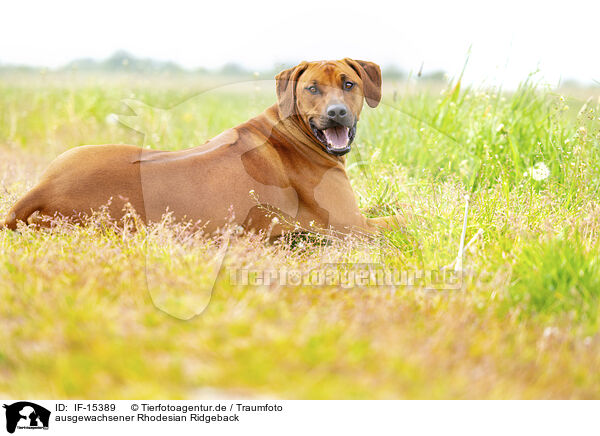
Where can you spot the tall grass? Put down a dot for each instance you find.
(77, 319)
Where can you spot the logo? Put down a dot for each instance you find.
(26, 415)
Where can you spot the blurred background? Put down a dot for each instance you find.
(502, 41)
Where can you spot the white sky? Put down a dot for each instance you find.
(509, 38)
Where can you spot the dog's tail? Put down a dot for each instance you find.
(22, 210)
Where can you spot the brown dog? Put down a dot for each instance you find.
(286, 161)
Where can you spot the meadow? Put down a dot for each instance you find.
(77, 319)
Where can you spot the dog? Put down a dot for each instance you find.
(280, 171)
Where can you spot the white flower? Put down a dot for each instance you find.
(275, 220)
(112, 119)
(538, 172)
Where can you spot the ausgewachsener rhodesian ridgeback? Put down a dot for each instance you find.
(288, 161)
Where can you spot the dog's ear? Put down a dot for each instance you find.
(286, 89)
(370, 74)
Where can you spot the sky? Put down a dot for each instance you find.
(505, 40)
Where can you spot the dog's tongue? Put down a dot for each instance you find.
(337, 137)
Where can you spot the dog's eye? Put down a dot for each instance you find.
(348, 85)
(313, 89)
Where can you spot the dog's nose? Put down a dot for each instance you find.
(338, 113)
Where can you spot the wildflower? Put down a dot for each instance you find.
(112, 119)
(538, 172)
(275, 220)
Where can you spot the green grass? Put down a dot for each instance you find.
(77, 319)
(559, 275)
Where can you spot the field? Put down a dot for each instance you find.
(76, 315)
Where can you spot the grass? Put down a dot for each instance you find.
(77, 316)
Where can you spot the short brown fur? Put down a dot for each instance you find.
(271, 162)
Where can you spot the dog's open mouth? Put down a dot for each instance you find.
(337, 140)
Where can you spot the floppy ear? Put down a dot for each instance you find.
(286, 89)
(370, 74)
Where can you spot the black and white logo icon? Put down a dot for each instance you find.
(26, 415)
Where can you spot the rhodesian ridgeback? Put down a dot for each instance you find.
(282, 170)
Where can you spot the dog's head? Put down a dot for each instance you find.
(327, 97)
